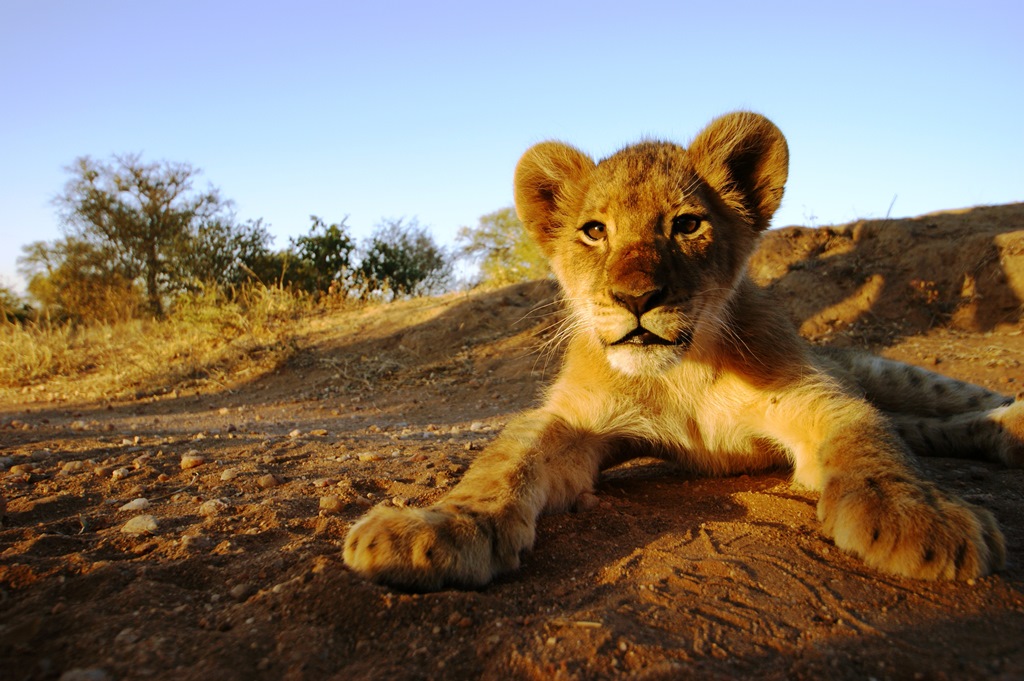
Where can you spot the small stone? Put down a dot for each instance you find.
(145, 547)
(223, 411)
(267, 481)
(368, 456)
(324, 482)
(213, 507)
(127, 636)
(319, 432)
(229, 474)
(119, 474)
(80, 674)
(400, 502)
(477, 426)
(103, 471)
(330, 504)
(295, 433)
(22, 469)
(140, 461)
(196, 542)
(191, 460)
(140, 504)
(140, 524)
(242, 592)
(978, 473)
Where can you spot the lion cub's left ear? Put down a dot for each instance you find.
(744, 157)
(549, 180)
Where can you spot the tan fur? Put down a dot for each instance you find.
(673, 352)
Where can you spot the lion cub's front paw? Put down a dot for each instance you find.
(421, 549)
(908, 527)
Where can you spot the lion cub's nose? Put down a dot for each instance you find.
(639, 303)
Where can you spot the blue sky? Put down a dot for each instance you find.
(386, 108)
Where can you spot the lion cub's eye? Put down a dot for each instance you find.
(594, 231)
(686, 224)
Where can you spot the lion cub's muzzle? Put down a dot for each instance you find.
(650, 319)
(642, 337)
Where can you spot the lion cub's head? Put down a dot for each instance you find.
(650, 243)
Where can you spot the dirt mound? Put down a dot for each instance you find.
(229, 567)
(893, 278)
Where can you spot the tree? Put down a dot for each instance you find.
(402, 259)
(143, 216)
(503, 248)
(224, 254)
(73, 279)
(12, 307)
(324, 256)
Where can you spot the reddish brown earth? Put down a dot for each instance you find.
(668, 577)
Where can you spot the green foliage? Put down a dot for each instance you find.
(138, 238)
(402, 259)
(145, 218)
(503, 248)
(12, 307)
(75, 280)
(322, 258)
(223, 254)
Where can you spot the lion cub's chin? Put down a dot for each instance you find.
(644, 360)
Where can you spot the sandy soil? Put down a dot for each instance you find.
(251, 487)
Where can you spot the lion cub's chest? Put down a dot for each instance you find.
(706, 421)
(712, 428)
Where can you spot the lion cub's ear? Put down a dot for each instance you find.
(548, 181)
(744, 157)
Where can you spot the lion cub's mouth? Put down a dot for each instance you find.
(642, 337)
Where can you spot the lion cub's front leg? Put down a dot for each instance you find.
(479, 529)
(874, 504)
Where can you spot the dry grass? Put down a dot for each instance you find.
(208, 338)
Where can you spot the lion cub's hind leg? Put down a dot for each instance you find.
(994, 434)
(898, 388)
(937, 415)
(1009, 424)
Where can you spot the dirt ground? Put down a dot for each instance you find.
(231, 567)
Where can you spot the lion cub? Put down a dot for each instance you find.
(675, 353)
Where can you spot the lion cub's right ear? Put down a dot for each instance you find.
(550, 178)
